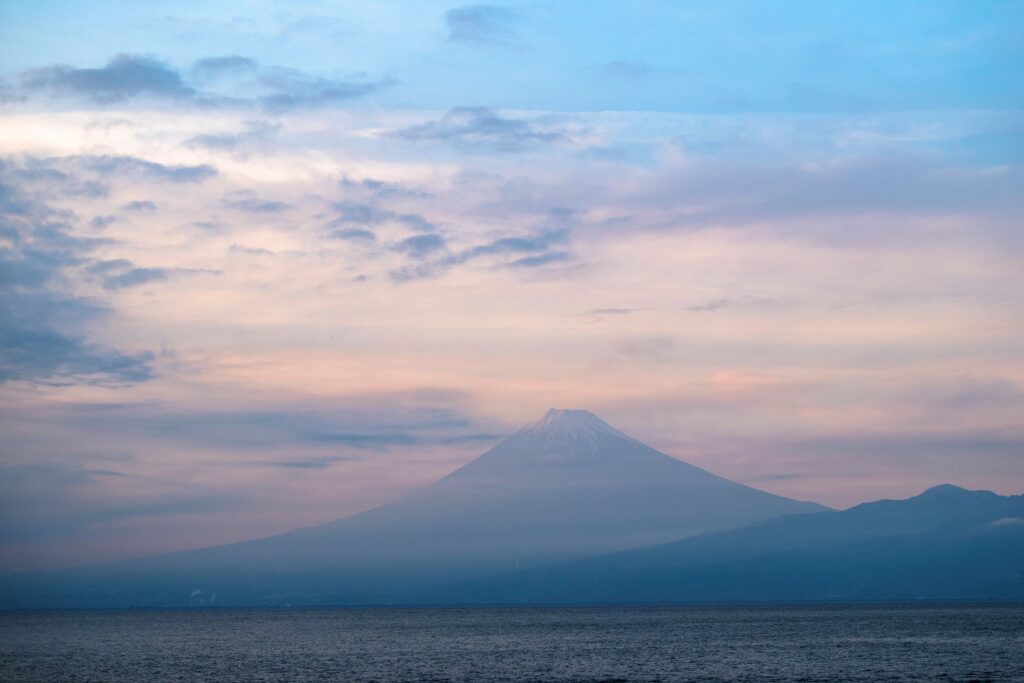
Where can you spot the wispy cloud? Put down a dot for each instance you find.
(256, 205)
(610, 311)
(353, 234)
(291, 88)
(365, 422)
(231, 66)
(320, 463)
(378, 188)
(128, 166)
(139, 205)
(482, 24)
(253, 136)
(122, 273)
(625, 70)
(660, 349)
(481, 128)
(526, 251)
(710, 306)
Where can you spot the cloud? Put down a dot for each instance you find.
(627, 71)
(120, 166)
(57, 473)
(359, 213)
(124, 77)
(321, 463)
(48, 508)
(482, 128)
(243, 202)
(538, 247)
(857, 200)
(382, 188)
(610, 311)
(903, 446)
(540, 259)
(353, 212)
(101, 222)
(731, 192)
(139, 205)
(122, 273)
(135, 276)
(42, 325)
(62, 479)
(418, 271)
(251, 251)
(660, 349)
(221, 81)
(254, 135)
(358, 423)
(85, 480)
(481, 24)
(420, 246)
(109, 265)
(206, 226)
(354, 234)
(40, 343)
(967, 394)
(710, 306)
(325, 29)
(227, 65)
(291, 88)
(519, 244)
(43, 175)
(416, 222)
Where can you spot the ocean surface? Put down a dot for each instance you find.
(683, 643)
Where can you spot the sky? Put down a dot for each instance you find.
(267, 264)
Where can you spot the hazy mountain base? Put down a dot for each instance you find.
(946, 544)
(567, 487)
(570, 510)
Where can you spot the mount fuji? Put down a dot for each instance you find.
(567, 487)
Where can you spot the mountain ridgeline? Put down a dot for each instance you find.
(570, 509)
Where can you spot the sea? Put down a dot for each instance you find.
(919, 642)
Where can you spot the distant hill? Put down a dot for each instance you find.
(567, 487)
(947, 543)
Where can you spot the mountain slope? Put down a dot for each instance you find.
(566, 487)
(946, 543)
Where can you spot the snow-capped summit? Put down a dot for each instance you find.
(577, 425)
(566, 433)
